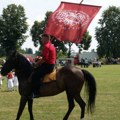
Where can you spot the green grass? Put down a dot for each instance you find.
(54, 108)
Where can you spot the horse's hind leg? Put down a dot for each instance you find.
(81, 103)
(70, 106)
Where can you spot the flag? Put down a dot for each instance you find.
(70, 21)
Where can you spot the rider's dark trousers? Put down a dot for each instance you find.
(38, 74)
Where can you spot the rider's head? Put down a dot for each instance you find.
(45, 38)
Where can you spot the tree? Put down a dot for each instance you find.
(85, 43)
(38, 29)
(2, 52)
(108, 33)
(13, 26)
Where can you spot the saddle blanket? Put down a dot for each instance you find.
(50, 77)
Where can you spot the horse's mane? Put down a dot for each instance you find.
(24, 64)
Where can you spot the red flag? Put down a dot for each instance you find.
(70, 21)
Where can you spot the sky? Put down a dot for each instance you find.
(36, 9)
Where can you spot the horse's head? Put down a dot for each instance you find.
(18, 62)
(9, 64)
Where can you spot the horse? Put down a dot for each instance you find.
(68, 78)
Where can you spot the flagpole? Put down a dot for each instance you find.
(81, 1)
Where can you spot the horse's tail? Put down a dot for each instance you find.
(90, 86)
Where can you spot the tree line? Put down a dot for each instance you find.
(108, 33)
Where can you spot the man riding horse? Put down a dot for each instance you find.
(43, 65)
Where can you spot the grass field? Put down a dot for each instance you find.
(54, 108)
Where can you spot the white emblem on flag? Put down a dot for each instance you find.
(70, 18)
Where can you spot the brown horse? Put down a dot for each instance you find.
(68, 78)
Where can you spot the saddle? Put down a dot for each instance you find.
(49, 77)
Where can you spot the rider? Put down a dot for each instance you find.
(44, 64)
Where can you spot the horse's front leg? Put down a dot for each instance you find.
(22, 104)
(30, 103)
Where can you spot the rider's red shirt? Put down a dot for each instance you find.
(49, 53)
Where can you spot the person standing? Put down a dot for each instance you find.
(10, 81)
(15, 82)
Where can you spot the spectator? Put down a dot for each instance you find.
(15, 82)
(10, 81)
